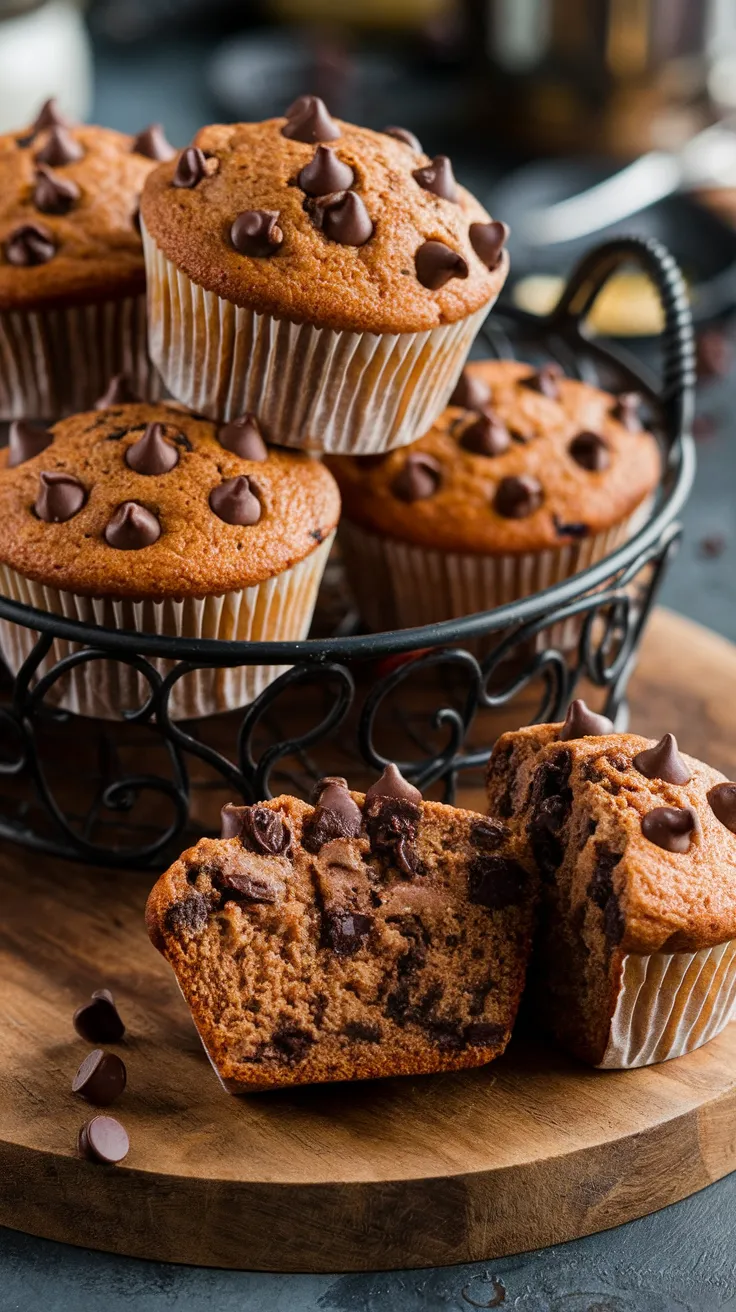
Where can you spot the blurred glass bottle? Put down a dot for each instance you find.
(44, 51)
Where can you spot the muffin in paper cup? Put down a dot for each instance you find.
(526, 479)
(636, 847)
(327, 277)
(72, 274)
(145, 518)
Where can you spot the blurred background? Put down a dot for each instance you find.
(570, 119)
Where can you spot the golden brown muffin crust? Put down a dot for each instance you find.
(460, 515)
(368, 288)
(197, 554)
(98, 246)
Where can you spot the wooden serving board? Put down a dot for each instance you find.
(532, 1150)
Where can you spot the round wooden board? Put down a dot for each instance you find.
(530, 1151)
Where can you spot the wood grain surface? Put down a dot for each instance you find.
(532, 1150)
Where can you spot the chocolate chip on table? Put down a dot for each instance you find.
(30, 244)
(418, 480)
(257, 233)
(471, 392)
(325, 173)
(670, 827)
(486, 436)
(132, 527)
(590, 452)
(722, 802)
(437, 177)
(626, 411)
(103, 1139)
(191, 168)
(59, 148)
(151, 142)
(488, 241)
(53, 194)
(343, 218)
(119, 392)
(518, 496)
(234, 502)
(60, 497)
(436, 264)
(26, 440)
(99, 1021)
(663, 761)
(345, 931)
(101, 1078)
(259, 828)
(308, 119)
(581, 722)
(336, 815)
(393, 784)
(403, 134)
(243, 437)
(546, 380)
(151, 453)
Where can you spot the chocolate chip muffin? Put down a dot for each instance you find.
(148, 518)
(72, 275)
(636, 848)
(363, 936)
(527, 478)
(327, 277)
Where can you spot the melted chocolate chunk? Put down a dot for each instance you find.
(488, 835)
(435, 264)
(590, 452)
(235, 503)
(152, 454)
(26, 441)
(53, 194)
(151, 142)
(418, 480)
(546, 380)
(243, 437)
(119, 392)
(581, 722)
(488, 241)
(308, 119)
(471, 392)
(132, 527)
(663, 761)
(59, 148)
(259, 829)
(335, 816)
(291, 1043)
(722, 802)
(30, 244)
(344, 932)
(669, 827)
(392, 825)
(518, 496)
(342, 217)
(600, 891)
(60, 497)
(487, 436)
(325, 173)
(186, 917)
(496, 882)
(190, 169)
(484, 1033)
(359, 1032)
(551, 805)
(403, 134)
(247, 888)
(438, 178)
(257, 233)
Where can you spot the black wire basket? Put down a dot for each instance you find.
(129, 794)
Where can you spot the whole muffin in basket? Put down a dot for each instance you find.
(527, 478)
(145, 517)
(328, 277)
(72, 275)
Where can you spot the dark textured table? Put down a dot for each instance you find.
(680, 1258)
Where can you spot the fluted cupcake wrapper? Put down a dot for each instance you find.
(670, 1003)
(56, 362)
(277, 610)
(315, 388)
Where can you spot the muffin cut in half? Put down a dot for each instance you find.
(636, 848)
(364, 936)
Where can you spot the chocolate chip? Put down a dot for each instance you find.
(488, 241)
(308, 119)
(722, 802)
(152, 143)
(190, 169)
(101, 1078)
(437, 177)
(581, 722)
(551, 803)
(30, 244)
(488, 835)
(393, 784)
(243, 437)
(50, 116)
(663, 761)
(600, 891)
(471, 392)
(152, 454)
(59, 148)
(343, 218)
(325, 173)
(626, 411)
(132, 527)
(670, 827)
(391, 824)
(359, 1032)
(518, 496)
(496, 882)
(103, 1139)
(336, 815)
(119, 392)
(344, 932)
(577, 529)
(418, 480)
(25, 441)
(98, 1021)
(590, 451)
(52, 194)
(258, 827)
(436, 264)
(60, 497)
(484, 1033)
(486, 436)
(256, 889)
(235, 503)
(189, 916)
(292, 1043)
(403, 134)
(257, 233)
(546, 380)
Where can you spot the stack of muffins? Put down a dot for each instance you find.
(313, 289)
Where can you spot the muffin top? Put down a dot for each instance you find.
(68, 211)
(521, 460)
(313, 220)
(151, 501)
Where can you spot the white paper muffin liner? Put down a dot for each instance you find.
(315, 388)
(56, 362)
(669, 1004)
(278, 610)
